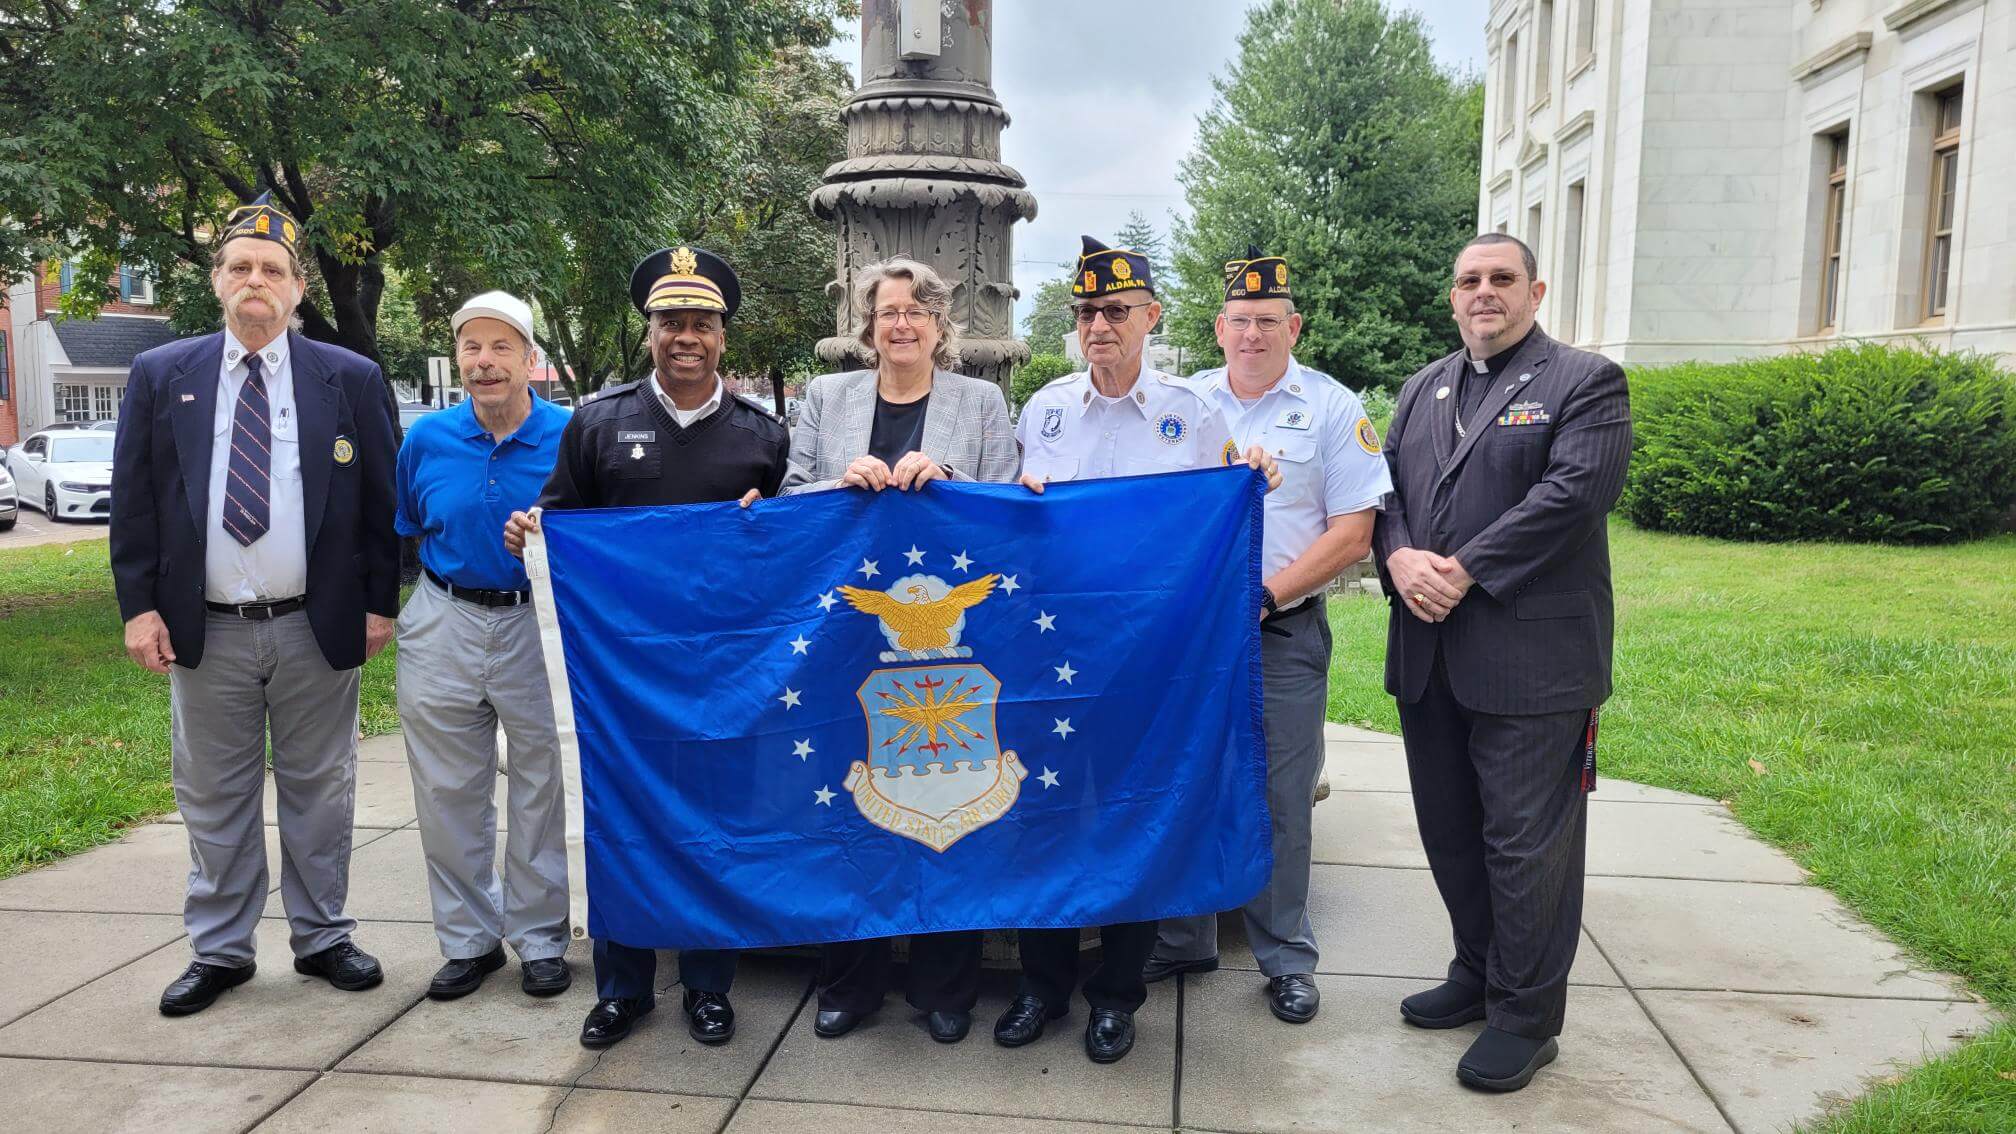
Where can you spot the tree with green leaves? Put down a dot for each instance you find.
(1139, 235)
(1041, 370)
(510, 143)
(1336, 141)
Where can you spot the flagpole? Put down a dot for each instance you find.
(563, 722)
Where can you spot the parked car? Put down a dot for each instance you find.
(10, 503)
(67, 473)
(410, 412)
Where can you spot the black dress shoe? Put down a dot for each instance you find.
(1023, 1021)
(710, 1019)
(1294, 997)
(834, 1024)
(464, 976)
(547, 976)
(610, 1020)
(1447, 1005)
(1162, 968)
(949, 1027)
(343, 965)
(200, 985)
(1501, 1061)
(1109, 1034)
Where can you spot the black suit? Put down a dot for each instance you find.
(1497, 702)
(161, 492)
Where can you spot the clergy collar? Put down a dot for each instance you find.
(1492, 364)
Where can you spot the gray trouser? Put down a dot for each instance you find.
(1295, 684)
(258, 677)
(463, 670)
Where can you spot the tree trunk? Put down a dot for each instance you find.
(353, 292)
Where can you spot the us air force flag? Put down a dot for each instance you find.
(849, 714)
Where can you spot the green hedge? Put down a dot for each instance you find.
(1866, 443)
(1038, 372)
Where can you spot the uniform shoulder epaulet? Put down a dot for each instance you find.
(607, 392)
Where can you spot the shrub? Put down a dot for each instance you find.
(1033, 375)
(1870, 443)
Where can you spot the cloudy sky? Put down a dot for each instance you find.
(1105, 97)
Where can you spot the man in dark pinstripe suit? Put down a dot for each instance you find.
(1506, 458)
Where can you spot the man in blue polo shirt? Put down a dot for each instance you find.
(469, 661)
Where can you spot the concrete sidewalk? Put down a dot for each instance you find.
(1715, 991)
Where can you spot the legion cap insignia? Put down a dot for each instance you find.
(263, 220)
(1257, 276)
(1105, 271)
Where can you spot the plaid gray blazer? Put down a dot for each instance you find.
(966, 429)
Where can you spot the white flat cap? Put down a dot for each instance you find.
(499, 305)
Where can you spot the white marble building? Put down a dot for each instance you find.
(1717, 178)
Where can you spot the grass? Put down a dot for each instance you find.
(1875, 690)
(84, 732)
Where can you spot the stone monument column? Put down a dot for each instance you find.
(923, 176)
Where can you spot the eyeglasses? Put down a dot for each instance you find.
(1115, 313)
(1267, 324)
(889, 316)
(1468, 281)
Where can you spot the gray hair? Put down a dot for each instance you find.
(927, 287)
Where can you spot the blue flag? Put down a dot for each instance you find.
(847, 714)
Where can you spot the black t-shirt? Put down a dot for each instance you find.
(898, 429)
(622, 448)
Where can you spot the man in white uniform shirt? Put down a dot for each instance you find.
(255, 563)
(1318, 522)
(1116, 418)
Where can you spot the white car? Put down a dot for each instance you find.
(67, 473)
(10, 505)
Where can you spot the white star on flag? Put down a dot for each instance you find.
(1048, 778)
(824, 797)
(1009, 585)
(790, 698)
(868, 569)
(1065, 673)
(802, 749)
(1063, 727)
(913, 555)
(798, 644)
(827, 600)
(961, 561)
(1045, 622)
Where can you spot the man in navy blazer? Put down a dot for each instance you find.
(256, 565)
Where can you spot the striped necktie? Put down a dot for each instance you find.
(249, 483)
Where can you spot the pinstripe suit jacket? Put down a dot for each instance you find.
(1523, 503)
(966, 429)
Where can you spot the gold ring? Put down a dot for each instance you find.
(1420, 601)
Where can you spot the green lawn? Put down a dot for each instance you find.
(1876, 687)
(84, 731)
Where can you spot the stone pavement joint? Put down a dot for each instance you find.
(1715, 990)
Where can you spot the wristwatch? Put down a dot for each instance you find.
(1267, 600)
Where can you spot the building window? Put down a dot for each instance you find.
(1533, 225)
(1585, 32)
(1831, 226)
(73, 402)
(135, 286)
(105, 402)
(65, 278)
(1571, 260)
(1543, 52)
(1508, 87)
(1945, 184)
(6, 379)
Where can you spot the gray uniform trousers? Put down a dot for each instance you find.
(463, 670)
(258, 678)
(1295, 684)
